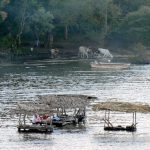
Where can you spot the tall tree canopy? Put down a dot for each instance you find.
(136, 26)
(37, 23)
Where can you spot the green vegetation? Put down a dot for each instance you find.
(120, 24)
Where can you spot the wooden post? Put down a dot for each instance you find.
(24, 119)
(19, 119)
(135, 118)
(84, 111)
(78, 112)
(57, 111)
(105, 118)
(75, 112)
(64, 111)
(108, 116)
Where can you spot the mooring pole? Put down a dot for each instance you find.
(19, 119)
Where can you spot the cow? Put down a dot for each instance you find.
(105, 52)
(54, 52)
(83, 51)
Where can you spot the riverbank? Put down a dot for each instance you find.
(69, 50)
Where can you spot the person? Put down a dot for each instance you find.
(36, 119)
(45, 116)
(33, 119)
(49, 120)
(56, 118)
(46, 119)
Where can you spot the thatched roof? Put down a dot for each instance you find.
(31, 108)
(122, 107)
(48, 104)
(65, 101)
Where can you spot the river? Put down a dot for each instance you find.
(23, 82)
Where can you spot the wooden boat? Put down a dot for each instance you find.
(110, 65)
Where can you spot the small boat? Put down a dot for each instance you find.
(110, 65)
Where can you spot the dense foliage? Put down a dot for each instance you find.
(37, 23)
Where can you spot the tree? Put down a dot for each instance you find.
(3, 14)
(18, 19)
(136, 26)
(41, 23)
(65, 14)
(25, 17)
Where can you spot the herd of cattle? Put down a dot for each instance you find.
(86, 52)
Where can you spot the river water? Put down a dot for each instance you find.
(25, 81)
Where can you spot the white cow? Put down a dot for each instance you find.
(54, 52)
(83, 52)
(105, 52)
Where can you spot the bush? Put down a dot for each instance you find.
(140, 59)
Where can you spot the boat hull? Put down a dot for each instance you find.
(110, 65)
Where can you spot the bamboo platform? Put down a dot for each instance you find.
(120, 128)
(35, 128)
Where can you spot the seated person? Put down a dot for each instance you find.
(56, 118)
(36, 119)
(46, 119)
(49, 120)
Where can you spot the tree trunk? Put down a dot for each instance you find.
(66, 32)
(51, 40)
(22, 24)
(106, 20)
(37, 39)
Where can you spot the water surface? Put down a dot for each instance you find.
(24, 82)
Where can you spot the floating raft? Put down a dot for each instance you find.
(51, 105)
(35, 128)
(120, 128)
(109, 127)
